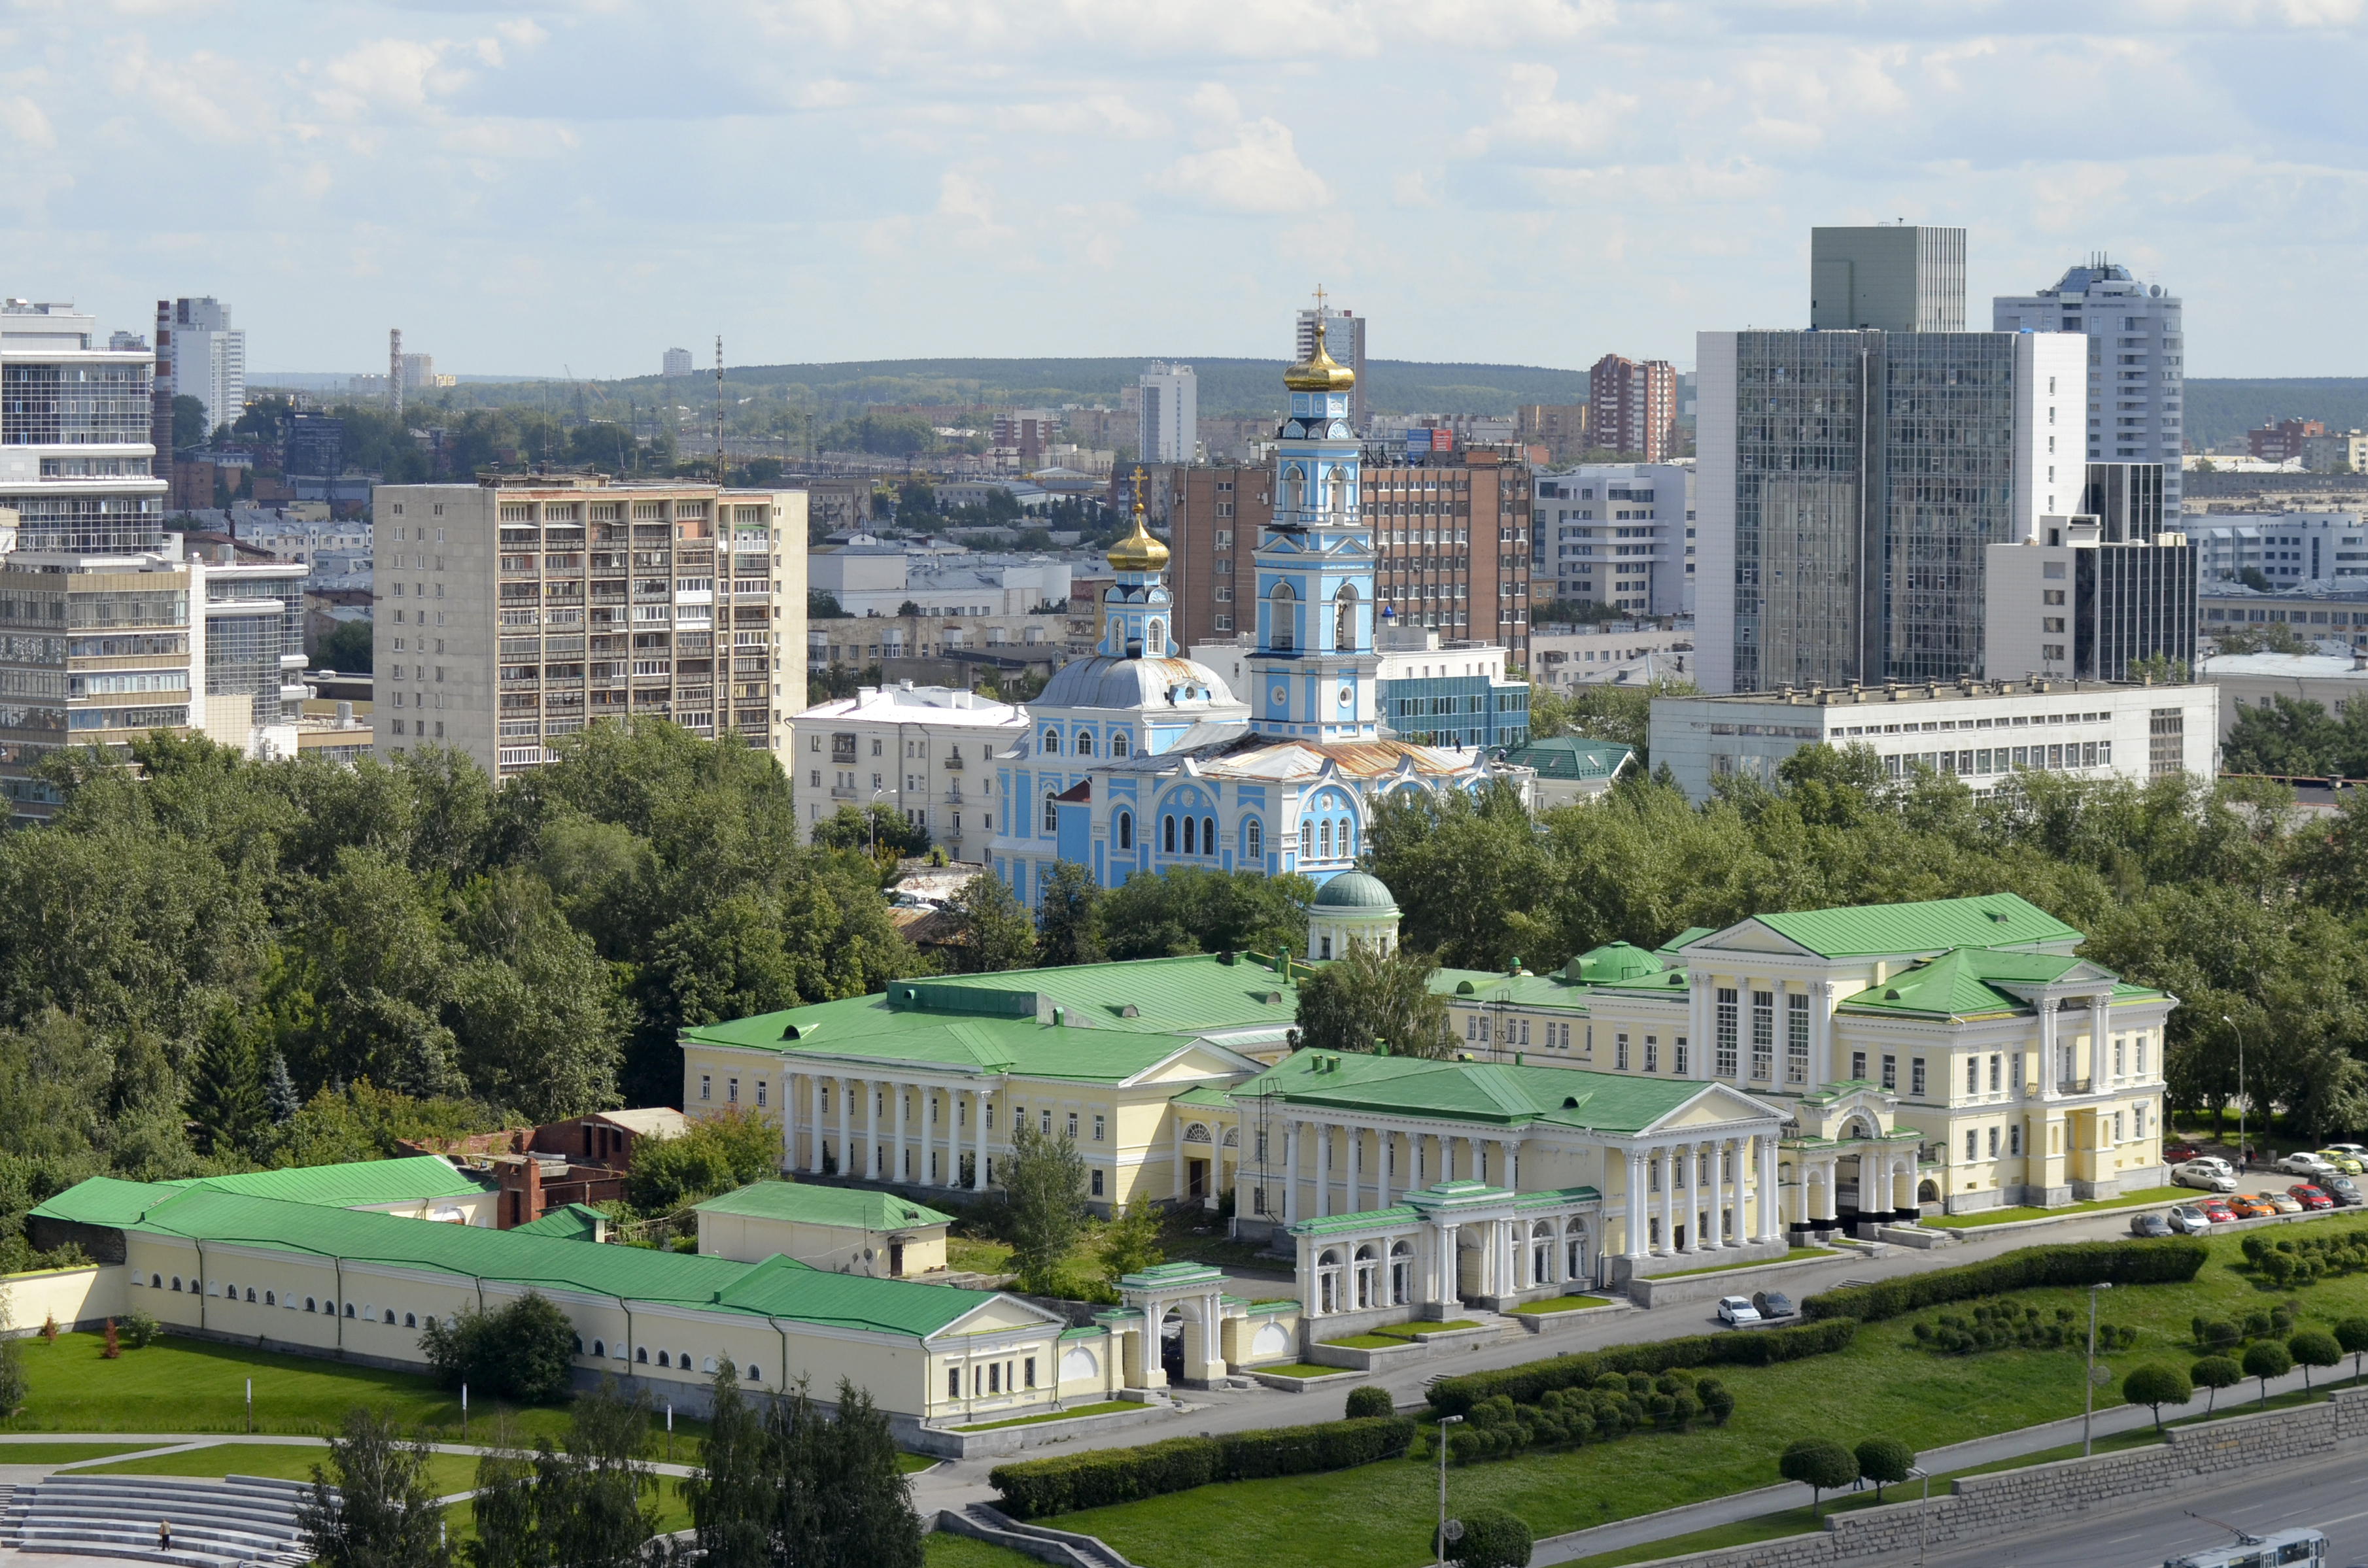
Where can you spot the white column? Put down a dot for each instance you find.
(1769, 1219)
(1178, 1160)
(1635, 1244)
(896, 1092)
(1668, 1200)
(1388, 1141)
(978, 1132)
(1356, 1136)
(1512, 1148)
(1291, 1170)
(1445, 1263)
(1733, 1151)
(953, 1138)
(846, 1090)
(1323, 1168)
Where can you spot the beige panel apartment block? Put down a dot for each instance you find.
(513, 613)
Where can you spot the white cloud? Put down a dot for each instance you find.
(1259, 172)
(22, 121)
(388, 74)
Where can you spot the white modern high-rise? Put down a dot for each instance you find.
(1344, 339)
(2136, 362)
(201, 354)
(1169, 414)
(1620, 534)
(676, 362)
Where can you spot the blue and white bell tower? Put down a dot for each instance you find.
(1314, 674)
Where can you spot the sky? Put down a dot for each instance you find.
(577, 187)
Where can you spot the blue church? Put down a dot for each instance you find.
(1138, 758)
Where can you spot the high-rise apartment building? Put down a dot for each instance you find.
(201, 354)
(1213, 516)
(1848, 484)
(1617, 534)
(1564, 430)
(2072, 600)
(509, 614)
(676, 363)
(1344, 338)
(2284, 441)
(1168, 409)
(1633, 406)
(1888, 277)
(2137, 360)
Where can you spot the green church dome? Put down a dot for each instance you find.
(1355, 890)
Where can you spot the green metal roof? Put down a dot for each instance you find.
(1969, 983)
(779, 1286)
(1686, 939)
(1568, 756)
(1491, 1092)
(846, 1206)
(1522, 990)
(569, 1222)
(1204, 1096)
(354, 1183)
(989, 1023)
(1993, 920)
(1614, 960)
(1365, 1220)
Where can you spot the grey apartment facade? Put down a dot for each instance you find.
(512, 614)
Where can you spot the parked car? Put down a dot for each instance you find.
(2188, 1220)
(2342, 1159)
(2282, 1202)
(2309, 1197)
(1774, 1304)
(2149, 1225)
(2209, 1175)
(2302, 1162)
(1737, 1312)
(2216, 1210)
(2357, 1151)
(2176, 1154)
(2343, 1189)
(2251, 1206)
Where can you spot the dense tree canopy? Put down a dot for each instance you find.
(2219, 894)
(307, 961)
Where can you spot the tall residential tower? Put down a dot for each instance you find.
(2136, 349)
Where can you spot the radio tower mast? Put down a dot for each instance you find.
(719, 410)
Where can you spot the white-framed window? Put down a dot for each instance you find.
(704, 1082)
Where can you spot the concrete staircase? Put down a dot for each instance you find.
(232, 1523)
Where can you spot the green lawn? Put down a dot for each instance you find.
(198, 1387)
(1558, 1304)
(1181, 1238)
(944, 1550)
(913, 1464)
(1382, 1514)
(1104, 1408)
(62, 1453)
(1371, 1342)
(1302, 1369)
(283, 1461)
(2000, 1216)
(1794, 1256)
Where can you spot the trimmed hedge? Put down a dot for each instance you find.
(1033, 1489)
(2173, 1262)
(1524, 1384)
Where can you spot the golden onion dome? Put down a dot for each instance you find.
(1319, 372)
(1138, 552)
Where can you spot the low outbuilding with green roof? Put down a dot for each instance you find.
(847, 1230)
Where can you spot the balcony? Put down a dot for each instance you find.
(2071, 1086)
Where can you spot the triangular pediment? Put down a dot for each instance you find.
(1196, 1062)
(1716, 1105)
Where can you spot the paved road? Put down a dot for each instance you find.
(2324, 1494)
(957, 1483)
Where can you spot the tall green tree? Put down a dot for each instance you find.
(382, 1511)
(994, 931)
(1192, 909)
(732, 1495)
(1369, 999)
(1069, 925)
(228, 1101)
(1044, 1189)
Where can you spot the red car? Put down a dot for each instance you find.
(2176, 1154)
(2217, 1209)
(2309, 1197)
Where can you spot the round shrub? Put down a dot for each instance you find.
(1492, 1539)
(1720, 1404)
(2267, 1359)
(1819, 1463)
(137, 1329)
(1370, 1401)
(2216, 1372)
(2158, 1384)
(2314, 1347)
(1883, 1461)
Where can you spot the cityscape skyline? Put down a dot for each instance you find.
(1446, 170)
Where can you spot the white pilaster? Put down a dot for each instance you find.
(1634, 1243)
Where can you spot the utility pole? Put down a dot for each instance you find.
(2089, 1393)
(2241, 1146)
(1444, 1422)
(719, 410)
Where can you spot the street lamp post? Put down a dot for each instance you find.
(2240, 1088)
(1444, 1422)
(2089, 1393)
(1922, 1509)
(873, 811)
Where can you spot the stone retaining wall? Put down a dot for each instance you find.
(1986, 1507)
(1665, 1291)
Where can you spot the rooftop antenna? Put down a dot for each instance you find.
(719, 410)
